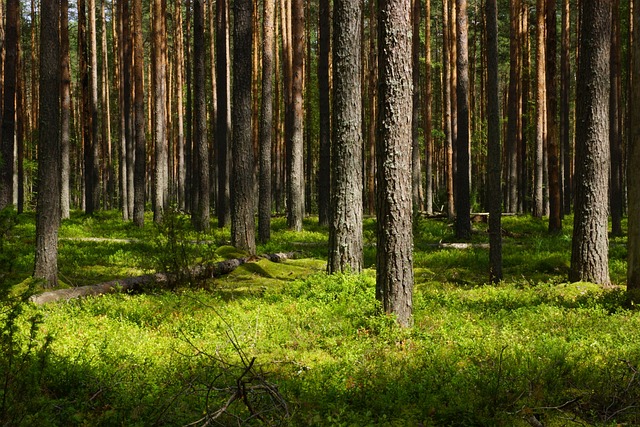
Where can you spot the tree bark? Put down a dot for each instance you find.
(428, 140)
(222, 128)
(48, 198)
(633, 171)
(345, 230)
(65, 119)
(180, 140)
(266, 123)
(446, 96)
(394, 273)
(242, 185)
(494, 155)
(463, 164)
(513, 116)
(324, 173)
(201, 147)
(538, 180)
(615, 137)
(92, 144)
(555, 200)
(565, 88)
(161, 175)
(589, 256)
(295, 181)
(416, 165)
(140, 137)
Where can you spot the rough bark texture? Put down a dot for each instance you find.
(140, 137)
(538, 177)
(446, 95)
(565, 123)
(161, 172)
(9, 104)
(48, 198)
(295, 182)
(633, 171)
(200, 144)
(266, 123)
(394, 271)
(513, 109)
(463, 164)
(345, 230)
(242, 185)
(589, 256)
(92, 145)
(494, 159)
(615, 137)
(555, 199)
(324, 172)
(416, 165)
(222, 128)
(65, 118)
(428, 141)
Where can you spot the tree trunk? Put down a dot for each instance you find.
(92, 186)
(161, 175)
(180, 140)
(589, 256)
(615, 137)
(633, 171)
(463, 165)
(416, 165)
(295, 181)
(324, 173)
(565, 88)
(48, 198)
(266, 123)
(446, 85)
(538, 181)
(555, 200)
(65, 119)
(394, 273)
(513, 108)
(428, 140)
(345, 229)
(201, 147)
(140, 137)
(222, 129)
(494, 155)
(242, 186)
(9, 104)
(108, 173)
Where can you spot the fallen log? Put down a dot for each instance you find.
(201, 272)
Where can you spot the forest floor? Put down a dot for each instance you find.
(286, 344)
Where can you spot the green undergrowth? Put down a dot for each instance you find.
(308, 349)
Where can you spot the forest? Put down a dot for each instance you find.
(322, 212)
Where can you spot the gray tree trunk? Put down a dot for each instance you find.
(589, 256)
(222, 128)
(324, 172)
(161, 176)
(48, 198)
(65, 119)
(345, 227)
(139, 172)
(242, 184)
(394, 273)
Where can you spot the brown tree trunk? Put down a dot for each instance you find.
(222, 128)
(65, 119)
(105, 100)
(555, 200)
(324, 173)
(48, 198)
(589, 256)
(416, 165)
(394, 270)
(139, 128)
(463, 164)
(448, 128)
(266, 123)
(295, 178)
(565, 88)
(513, 116)
(538, 181)
(428, 140)
(180, 140)
(242, 185)
(345, 228)
(373, 119)
(9, 104)
(615, 137)
(200, 144)
(93, 156)
(161, 175)
(633, 171)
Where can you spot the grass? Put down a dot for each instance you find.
(533, 346)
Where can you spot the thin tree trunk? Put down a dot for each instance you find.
(428, 140)
(555, 200)
(140, 137)
(448, 129)
(93, 166)
(266, 123)
(324, 173)
(161, 176)
(538, 182)
(416, 165)
(633, 171)
(65, 121)
(108, 173)
(615, 137)
(513, 116)
(565, 88)
(222, 130)
(180, 142)
(373, 119)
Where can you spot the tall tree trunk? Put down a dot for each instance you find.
(513, 116)
(65, 119)
(394, 272)
(416, 165)
(324, 173)
(428, 140)
(463, 164)
(494, 156)
(161, 176)
(373, 115)
(201, 211)
(93, 156)
(448, 129)
(9, 104)
(140, 137)
(565, 88)
(555, 200)
(48, 198)
(242, 194)
(295, 182)
(538, 181)
(266, 122)
(615, 137)
(345, 229)
(633, 171)
(222, 129)
(108, 173)
(589, 256)
(180, 141)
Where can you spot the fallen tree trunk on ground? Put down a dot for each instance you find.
(201, 272)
